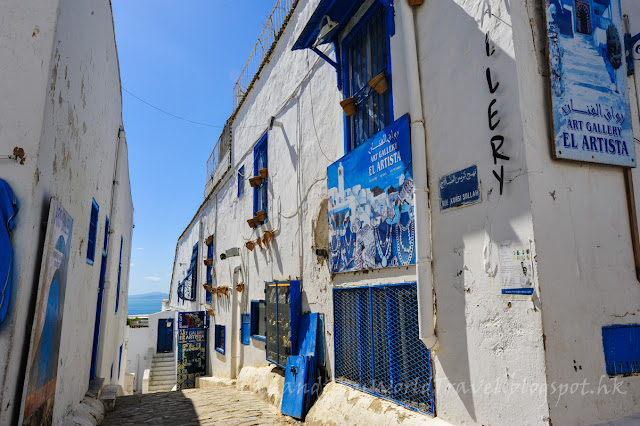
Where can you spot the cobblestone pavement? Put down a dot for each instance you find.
(221, 405)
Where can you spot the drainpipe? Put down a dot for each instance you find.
(420, 182)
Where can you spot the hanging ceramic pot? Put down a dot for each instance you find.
(263, 173)
(250, 245)
(379, 83)
(349, 106)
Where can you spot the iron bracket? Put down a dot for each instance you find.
(630, 47)
(325, 57)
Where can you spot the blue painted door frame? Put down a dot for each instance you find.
(165, 335)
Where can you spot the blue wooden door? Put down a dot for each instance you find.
(165, 335)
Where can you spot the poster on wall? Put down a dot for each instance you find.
(516, 269)
(588, 82)
(42, 364)
(192, 348)
(371, 214)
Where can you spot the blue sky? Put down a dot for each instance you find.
(183, 57)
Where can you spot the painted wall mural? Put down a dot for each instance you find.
(42, 367)
(591, 115)
(371, 213)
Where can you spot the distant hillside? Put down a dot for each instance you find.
(154, 295)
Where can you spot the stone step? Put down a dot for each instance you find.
(162, 382)
(164, 355)
(163, 364)
(162, 376)
(162, 370)
(160, 389)
(108, 397)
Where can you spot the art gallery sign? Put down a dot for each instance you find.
(371, 214)
(588, 82)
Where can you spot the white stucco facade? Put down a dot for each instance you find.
(499, 361)
(62, 104)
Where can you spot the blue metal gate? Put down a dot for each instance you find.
(377, 349)
(192, 348)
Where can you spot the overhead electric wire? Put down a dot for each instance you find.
(170, 114)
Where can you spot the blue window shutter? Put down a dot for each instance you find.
(119, 275)
(241, 180)
(120, 362)
(245, 329)
(93, 230)
(260, 161)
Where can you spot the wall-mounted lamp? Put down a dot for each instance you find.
(326, 29)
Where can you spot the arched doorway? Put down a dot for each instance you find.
(583, 17)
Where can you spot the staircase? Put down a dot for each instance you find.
(162, 377)
(586, 65)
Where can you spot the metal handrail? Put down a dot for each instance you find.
(269, 36)
(222, 149)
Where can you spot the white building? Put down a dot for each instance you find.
(498, 360)
(61, 104)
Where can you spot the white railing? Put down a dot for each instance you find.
(220, 156)
(259, 57)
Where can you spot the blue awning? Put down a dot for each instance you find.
(340, 11)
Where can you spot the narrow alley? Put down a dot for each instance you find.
(209, 406)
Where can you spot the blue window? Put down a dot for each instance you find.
(209, 269)
(120, 362)
(377, 348)
(219, 338)
(187, 287)
(260, 162)
(241, 181)
(245, 328)
(258, 319)
(365, 54)
(119, 275)
(93, 230)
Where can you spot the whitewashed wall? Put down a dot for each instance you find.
(62, 104)
(491, 366)
(585, 259)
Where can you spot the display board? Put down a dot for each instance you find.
(44, 351)
(283, 317)
(192, 348)
(588, 82)
(371, 214)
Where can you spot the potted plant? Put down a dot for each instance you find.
(249, 245)
(252, 182)
(258, 180)
(239, 287)
(208, 262)
(209, 240)
(210, 312)
(349, 106)
(415, 2)
(251, 222)
(262, 215)
(263, 173)
(208, 287)
(259, 241)
(379, 83)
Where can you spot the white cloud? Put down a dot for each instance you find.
(139, 248)
(132, 265)
(153, 278)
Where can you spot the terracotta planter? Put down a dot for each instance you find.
(263, 173)
(209, 240)
(239, 287)
(257, 221)
(262, 215)
(268, 235)
(207, 287)
(210, 312)
(415, 2)
(249, 245)
(252, 222)
(349, 106)
(208, 262)
(252, 182)
(259, 241)
(379, 83)
(258, 180)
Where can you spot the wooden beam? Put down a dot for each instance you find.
(633, 218)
